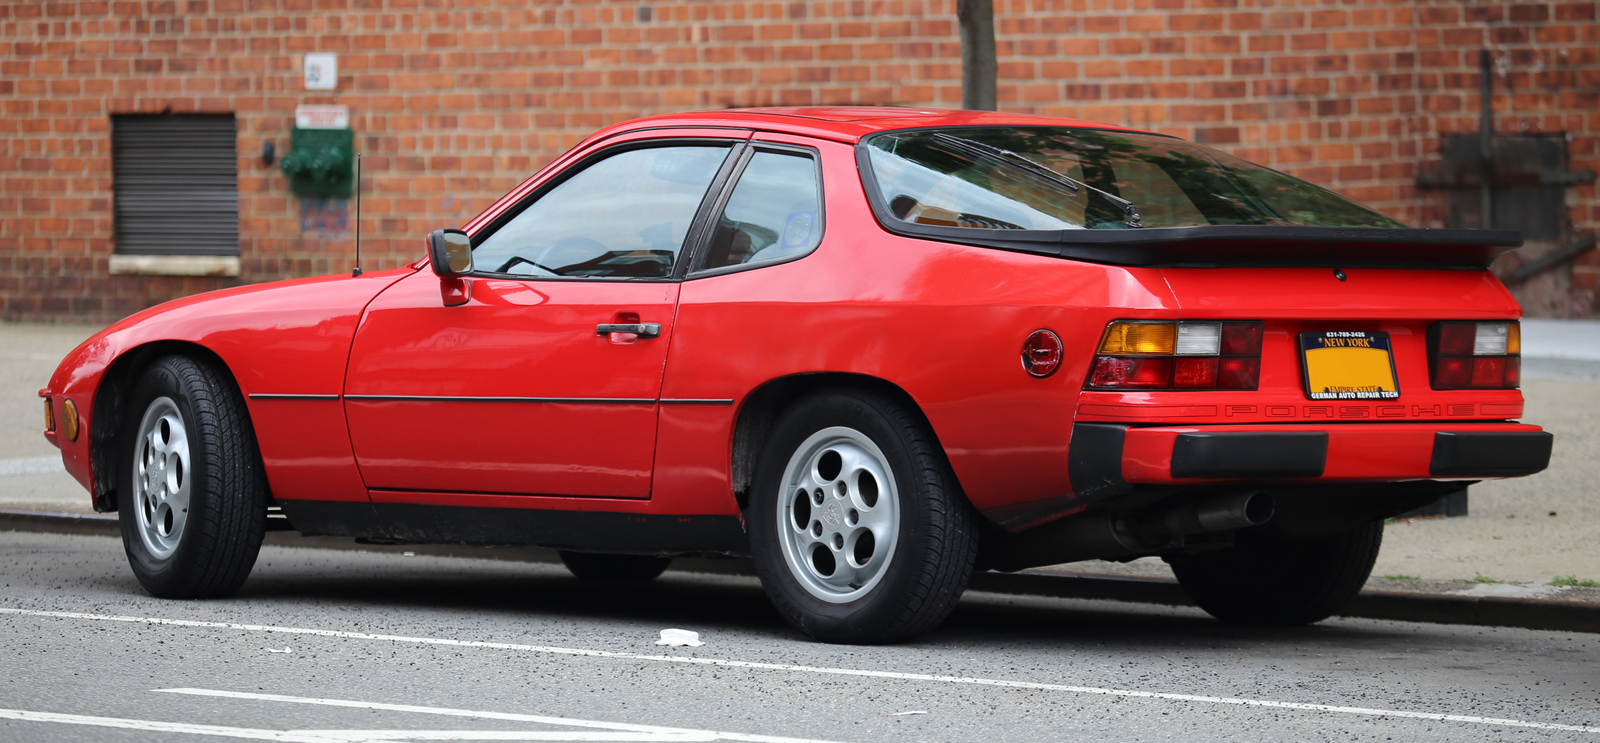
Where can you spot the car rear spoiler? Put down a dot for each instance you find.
(1215, 246)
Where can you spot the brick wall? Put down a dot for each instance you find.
(455, 102)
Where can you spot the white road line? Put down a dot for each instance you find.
(166, 727)
(376, 736)
(369, 736)
(31, 466)
(1029, 685)
(509, 716)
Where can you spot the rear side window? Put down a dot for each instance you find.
(775, 212)
(623, 217)
(1051, 178)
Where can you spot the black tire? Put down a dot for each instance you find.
(1268, 579)
(598, 568)
(933, 550)
(214, 549)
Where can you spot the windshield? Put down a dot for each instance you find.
(1047, 178)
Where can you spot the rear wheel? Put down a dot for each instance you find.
(191, 495)
(1268, 579)
(598, 568)
(859, 530)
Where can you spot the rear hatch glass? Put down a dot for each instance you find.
(1054, 178)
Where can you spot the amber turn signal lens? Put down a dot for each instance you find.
(1140, 338)
(1041, 353)
(69, 420)
(1514, 339)
(49, 415)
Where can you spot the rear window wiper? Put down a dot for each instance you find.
(970, 147)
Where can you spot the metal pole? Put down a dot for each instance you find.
(1486, 135)
(357, 271)
(979, 69)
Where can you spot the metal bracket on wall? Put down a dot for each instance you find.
(1564, 254)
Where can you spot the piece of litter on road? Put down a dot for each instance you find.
(409, 554)
(275, 650)
(679, 637)
(911, 712)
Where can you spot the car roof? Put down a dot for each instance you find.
(843, 123)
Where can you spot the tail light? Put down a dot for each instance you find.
(1189, 355)
(1475, 355)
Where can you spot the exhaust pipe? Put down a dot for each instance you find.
(1107, 536)
(1220, 514)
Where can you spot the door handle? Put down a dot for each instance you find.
(641, 329)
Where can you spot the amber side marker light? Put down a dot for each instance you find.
(1475, 355)
(49, 415)
(69, 420)
(1188, 355)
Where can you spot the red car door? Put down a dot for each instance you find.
(520, 390)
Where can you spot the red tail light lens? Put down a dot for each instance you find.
(1242, 373)
(1453, 372)
(1195, 373)
(1475, 355)
(1455, 338)
(1137, 373)
(1241, 339)
(1187, 355)
(1490, 372)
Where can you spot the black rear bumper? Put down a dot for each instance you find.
(1484, 454)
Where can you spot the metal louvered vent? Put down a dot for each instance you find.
(176, 184)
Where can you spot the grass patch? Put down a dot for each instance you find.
(1572, 580)
(1401, 576)
(1479, 578)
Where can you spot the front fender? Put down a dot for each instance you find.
(288, 337)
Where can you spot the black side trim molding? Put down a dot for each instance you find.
(464, 398)
(582, 531)
(1490, 454)
(278, 396)
(1235, 456)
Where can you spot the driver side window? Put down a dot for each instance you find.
(624, 217)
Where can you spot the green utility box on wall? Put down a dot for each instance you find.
(321, 162)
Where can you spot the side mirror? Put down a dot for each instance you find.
(450, 253)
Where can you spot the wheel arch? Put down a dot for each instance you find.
(760, 410)
(111, 404)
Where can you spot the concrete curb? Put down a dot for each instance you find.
(1485, 611)
(1560, 616)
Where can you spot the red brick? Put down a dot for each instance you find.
(469, 100)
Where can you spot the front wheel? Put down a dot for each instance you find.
(191, 496)
(1269, 579)
(859, 530)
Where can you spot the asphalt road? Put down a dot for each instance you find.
(355, 646)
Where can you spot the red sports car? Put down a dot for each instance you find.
(875, 349)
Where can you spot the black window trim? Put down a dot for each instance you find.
(691, 240)
(702, 248)
(1206, 246)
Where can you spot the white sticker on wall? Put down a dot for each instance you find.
(322, 71)
(310, 116)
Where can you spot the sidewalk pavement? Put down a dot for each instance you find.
(1522, 534)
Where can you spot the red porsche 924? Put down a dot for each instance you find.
(873, 349)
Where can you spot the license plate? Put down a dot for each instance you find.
(1348, 365)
